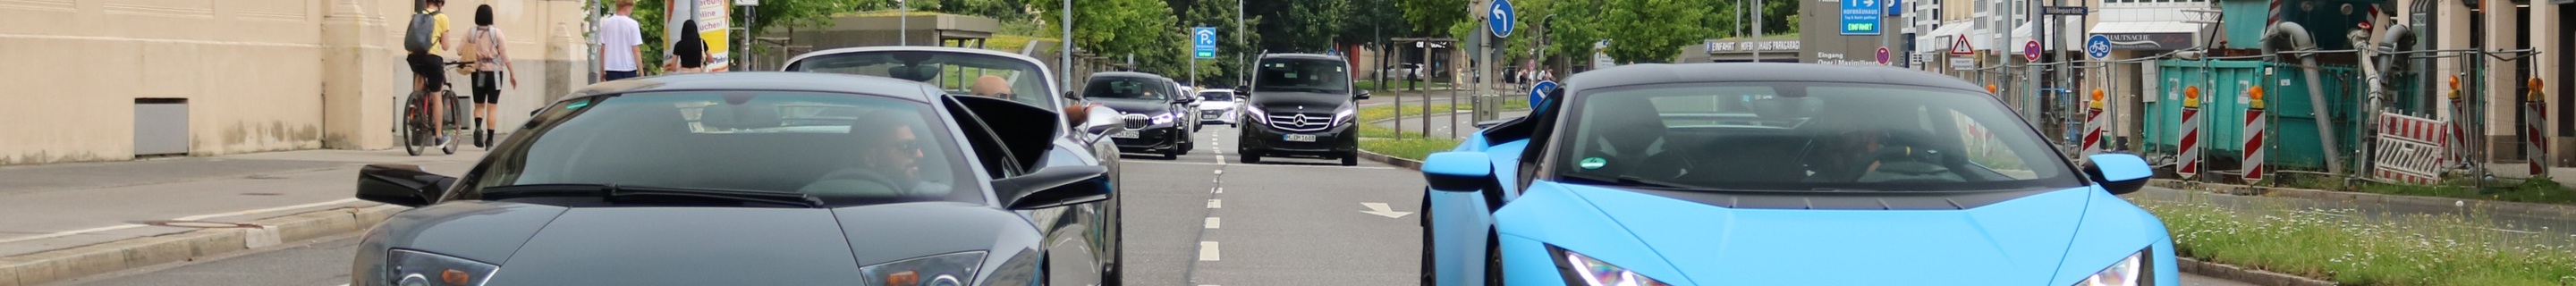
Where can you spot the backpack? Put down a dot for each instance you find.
(420, 37)
(472, 51)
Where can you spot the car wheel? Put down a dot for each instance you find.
(1429, 267)
(1249, 157)
(1173, 153)
(1352, 159)
(1493, 259)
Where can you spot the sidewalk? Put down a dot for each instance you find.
(2564, 176)
(87, 206)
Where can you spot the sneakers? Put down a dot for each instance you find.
(479, 137)
(440, 140)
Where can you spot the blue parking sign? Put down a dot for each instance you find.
(1861, 17)
(1203, 42)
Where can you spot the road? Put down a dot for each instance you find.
(1200, 219)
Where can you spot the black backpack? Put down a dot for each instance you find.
(421, 36)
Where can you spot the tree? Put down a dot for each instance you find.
(1118, 28)
(1230, 53)
(1299, 26)
(1652, 29)
(1434, 16)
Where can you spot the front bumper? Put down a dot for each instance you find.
(1226, 116)
(1340, 140)
(1151, 139)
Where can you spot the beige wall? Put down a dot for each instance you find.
(258, 75)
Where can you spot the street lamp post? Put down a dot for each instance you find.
(903, 18)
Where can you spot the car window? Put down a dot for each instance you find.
(1128, 88)
(845, 149)
(1803, 137)
(955, 73)
(1217, 96)
(1302, 75)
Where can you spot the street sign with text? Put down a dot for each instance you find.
(2063, 10)
(1860, 17)
(1203, 42)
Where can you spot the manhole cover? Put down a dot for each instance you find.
(199, 224)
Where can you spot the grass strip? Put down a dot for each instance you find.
(2351, 248)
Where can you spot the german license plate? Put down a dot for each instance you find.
(1131, 134)
(1300, 137)
(1207, 116)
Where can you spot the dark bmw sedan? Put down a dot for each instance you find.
(1154, 97)
(750, 179)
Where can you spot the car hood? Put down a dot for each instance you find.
(1148, 107)
(2016, 242)
(1289, 101)
(752, 246)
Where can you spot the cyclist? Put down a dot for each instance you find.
(428, 76)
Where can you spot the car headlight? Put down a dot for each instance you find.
(1258, 116)
(414, 268)
(953, 269)
(1345, 114)
(2126, 272)
(1161, 119)
(1585, 271)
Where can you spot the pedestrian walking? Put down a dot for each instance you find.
(620, 43)
(491, 56)
(688, 54)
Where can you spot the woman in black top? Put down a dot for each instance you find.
(690, 53)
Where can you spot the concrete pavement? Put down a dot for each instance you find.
(139, 213)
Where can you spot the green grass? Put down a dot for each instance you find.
(2535, 190)
(2341, 246)
(1411, 145)
(1373, 85)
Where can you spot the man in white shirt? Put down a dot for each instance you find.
(620, 43)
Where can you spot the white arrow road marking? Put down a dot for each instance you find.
(1380, 209)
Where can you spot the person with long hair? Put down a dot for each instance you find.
(491, 63)
(689, 54)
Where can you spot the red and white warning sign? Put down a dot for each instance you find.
(2411, 149)
(1959, 46)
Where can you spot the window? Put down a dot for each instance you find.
(846, 149)
(1804, 136)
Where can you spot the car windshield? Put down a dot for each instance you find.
(844, 149)
(956, 73)
(1217, 96)
(1804, 137)
(1302, 75)
(1127, 88)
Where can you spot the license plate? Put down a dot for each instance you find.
(1124, 134)
(1207, 116)
(1300, 137)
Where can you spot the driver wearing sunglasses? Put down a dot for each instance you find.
(887, 161)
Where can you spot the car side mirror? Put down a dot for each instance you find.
(1056, 186)
(1364, 94)
(1458, 171)
(2118, 173)
(403, 185)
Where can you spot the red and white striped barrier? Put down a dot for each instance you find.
(2190, 143)
(2093, 122)
(2412, 149)
(2534, 113)
(2254, 125)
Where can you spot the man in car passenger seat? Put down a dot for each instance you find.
(995, 87)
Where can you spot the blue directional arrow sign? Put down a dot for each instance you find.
(1203, 41)
(1500, 18)
(1539, 91)
(1860, 17)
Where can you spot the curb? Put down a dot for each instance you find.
(77, 262)
(2490, 207)
(1407, 164)
(2240, 274)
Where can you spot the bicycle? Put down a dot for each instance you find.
(416, 130)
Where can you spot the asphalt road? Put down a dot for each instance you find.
(1201, 219)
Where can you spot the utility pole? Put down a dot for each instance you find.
(903, 20)
(1066, 54)
(1757, 30)
(1242, 62)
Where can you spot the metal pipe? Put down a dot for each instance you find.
(2300, 41)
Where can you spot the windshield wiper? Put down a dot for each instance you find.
(1631, 181)
(614, 192)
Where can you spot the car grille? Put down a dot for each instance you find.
(1301, 122)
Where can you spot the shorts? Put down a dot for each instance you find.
(617, 75)
(427, 66)
(487, 87)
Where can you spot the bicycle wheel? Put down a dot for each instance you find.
(411, 124)
(448, 127)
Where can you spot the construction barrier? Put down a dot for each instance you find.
(2412, 149)
(2534, 115)
(2190, 144)
(2093, 123)
(2254, 125)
